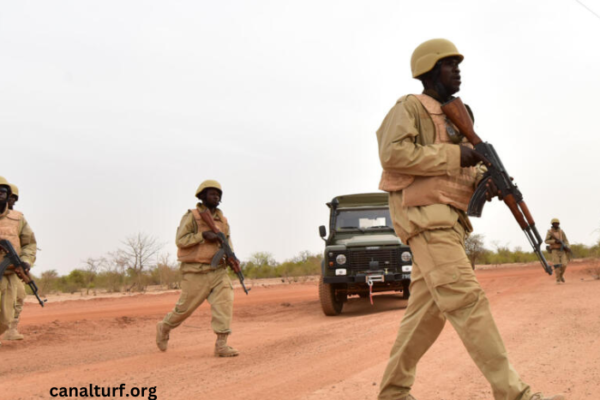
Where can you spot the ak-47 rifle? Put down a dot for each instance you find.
(20, 267)
(225, 251)
(457, 113)
(563, 246)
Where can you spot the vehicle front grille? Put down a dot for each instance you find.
(361, 259)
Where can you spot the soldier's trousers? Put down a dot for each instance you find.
(443, 288)
(8, 296)
(213, 286)
(20, 300)
(559, 257)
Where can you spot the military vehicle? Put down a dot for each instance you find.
(362, 254)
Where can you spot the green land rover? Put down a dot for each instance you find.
(362, 255)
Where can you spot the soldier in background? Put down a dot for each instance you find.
(197, 244)
(559, 247)
(430, 171)
(13, 333)
(15, 229)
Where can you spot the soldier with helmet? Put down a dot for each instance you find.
(430, 172)
(559, 247)
(13, 333)
(197, 245)
(15, 229)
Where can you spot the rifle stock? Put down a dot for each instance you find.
(232, 260)
(456, 112)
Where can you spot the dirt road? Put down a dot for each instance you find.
(290, 350)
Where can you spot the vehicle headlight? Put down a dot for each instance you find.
(406, 256)
(406, 268)
(340, 259)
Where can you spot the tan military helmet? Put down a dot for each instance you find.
(555, 221)
(4, 182)
(209, 184)
(14, 189)
(430, 52)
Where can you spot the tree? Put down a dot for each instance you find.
(474, 248)
(92, 265)
(167, 273)
(47, 282)
(137, 253)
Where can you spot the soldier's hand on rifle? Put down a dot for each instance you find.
(492, 191)
(470, 158)
(211, 236)
(22, 272)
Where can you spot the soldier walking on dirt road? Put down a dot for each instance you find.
(13, 333)
(559, 247)
(197, 245)
(15, 229)
(430, 172)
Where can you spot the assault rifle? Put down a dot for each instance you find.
(12, 258)
(225, 251)
(563, 246)
(457, 113)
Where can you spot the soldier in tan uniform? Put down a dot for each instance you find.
(14, 228)
(560, 258)
(13, 333)
(430, 172)
(197, 245)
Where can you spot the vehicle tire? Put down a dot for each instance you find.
(405, 291)
(363, 295)
(331, 304)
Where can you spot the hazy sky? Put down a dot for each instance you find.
(112, 112)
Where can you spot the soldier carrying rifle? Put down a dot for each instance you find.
(432, 168)
(559, 249)
(204, 255)
(15, 229)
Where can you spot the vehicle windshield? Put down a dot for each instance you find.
(363, 219)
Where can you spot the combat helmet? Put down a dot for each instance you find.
(4, 182)
(209, 183)
(14, 189)
(429, 53)
(555, 221)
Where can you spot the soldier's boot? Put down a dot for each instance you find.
(408, 397)
(562, 279)
(539, 396)
(162, 336)
(13, 333)
(221, 347)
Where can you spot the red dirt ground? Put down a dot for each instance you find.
(290, 350)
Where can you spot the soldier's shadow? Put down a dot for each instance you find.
(356, 306)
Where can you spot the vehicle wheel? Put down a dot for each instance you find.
(363, 295)
(331, 304)
(405, 291)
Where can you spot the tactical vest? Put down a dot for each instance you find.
(203, 252)
(558, 234)
(9, 228)
(442, 189)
